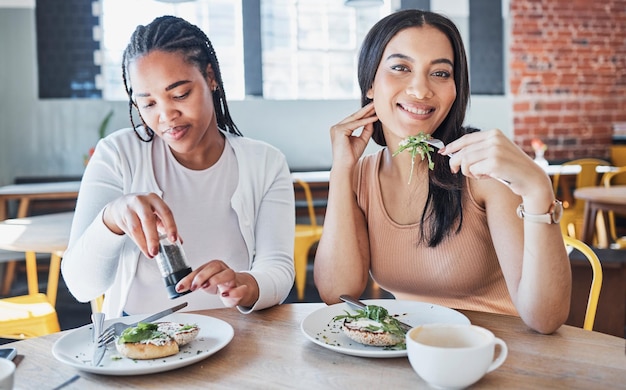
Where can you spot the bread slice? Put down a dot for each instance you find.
(182, 333)
(148, 349)
(360, 331)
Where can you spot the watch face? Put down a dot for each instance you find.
(557, 211)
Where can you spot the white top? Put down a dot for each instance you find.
(209, 191)
(98, 261)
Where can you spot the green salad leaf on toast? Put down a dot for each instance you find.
(143, 331)
(380, 315)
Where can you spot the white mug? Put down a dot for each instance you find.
(453, 356)
(7, 373)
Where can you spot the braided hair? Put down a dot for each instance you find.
(173, 34)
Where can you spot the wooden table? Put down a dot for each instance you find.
(552, 170)
(25, 193)
(31, 191)
(48, 233)
(312, 176)
(566, 177)
(269, 351)
(599, 199)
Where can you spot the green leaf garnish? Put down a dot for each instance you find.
(416, 145)
(143, 331)
(376, 313)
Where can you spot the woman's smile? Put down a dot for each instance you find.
(419, 110)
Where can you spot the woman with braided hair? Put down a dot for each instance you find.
(186, 171)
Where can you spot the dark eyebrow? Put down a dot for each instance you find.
(405, 57)
(168, 88)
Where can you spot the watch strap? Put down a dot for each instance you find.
(553, 215)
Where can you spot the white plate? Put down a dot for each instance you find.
(320, 328)
(76, 348)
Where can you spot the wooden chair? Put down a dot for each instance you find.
(607, 180)
(596, 281)
(618, 159)
(306, 236)
(7, 262)
(572, 220)
(96, 304)
(34, 314)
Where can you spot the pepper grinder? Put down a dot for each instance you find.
(172, 264)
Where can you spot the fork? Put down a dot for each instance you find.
(439, 145)
(117, 328)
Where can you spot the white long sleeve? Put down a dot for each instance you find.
(98, 261)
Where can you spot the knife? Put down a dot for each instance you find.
(161, 314)
(360, 305)
(99, 350)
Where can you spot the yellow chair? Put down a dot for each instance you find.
(618, 159)
(608, 179)
(306, 236)
(96, 304)
(596, 281)
(32, 315)
(572, 220)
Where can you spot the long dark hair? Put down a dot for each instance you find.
(444, 204)
(173, 34)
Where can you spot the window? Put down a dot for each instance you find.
(219, 19)
(309, 47)
(65, 49)
(296, 49)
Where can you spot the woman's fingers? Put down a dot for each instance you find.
(363, 112)
(215, 277)
(347, 144)
(491, 154)
(162, 222)
(207, 277)
(142, 217)
(362, 117)
(232, 296)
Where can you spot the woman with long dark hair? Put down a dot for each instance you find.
(441, 227)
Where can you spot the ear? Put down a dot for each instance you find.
(210, 78)
(370, 93)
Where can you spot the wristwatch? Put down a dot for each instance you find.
(552, 216)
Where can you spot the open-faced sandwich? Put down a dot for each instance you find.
(152, 341)
(181, 333)
(373, 326)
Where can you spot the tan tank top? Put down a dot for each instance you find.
(462, 272)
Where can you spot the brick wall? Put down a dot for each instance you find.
(567, 74)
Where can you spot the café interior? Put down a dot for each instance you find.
(551, 75)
